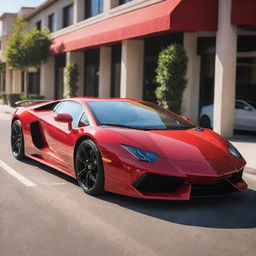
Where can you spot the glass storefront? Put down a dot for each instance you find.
(116, 70)
(245, 106)
(92, 60)
(34, 82)
(60, 63)
(246, 79)
(245, 73)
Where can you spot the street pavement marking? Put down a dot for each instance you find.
(17, 175)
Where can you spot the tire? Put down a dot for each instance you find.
(17, 140)
(89, 168)
(205, 122)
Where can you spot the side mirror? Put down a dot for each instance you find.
(64, 118)
(186, 119)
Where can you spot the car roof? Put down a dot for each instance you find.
(87, 99)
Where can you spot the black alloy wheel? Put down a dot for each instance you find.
(17, 140)
(89, 168)
(205, 122)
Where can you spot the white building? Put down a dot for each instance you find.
(115, 44)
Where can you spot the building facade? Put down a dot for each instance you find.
(115, 44)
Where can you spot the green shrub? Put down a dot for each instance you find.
(171, 72)
(12, 98)
(70, 80)
(35, 97)
(31, 97)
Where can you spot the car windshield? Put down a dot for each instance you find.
(136, 115)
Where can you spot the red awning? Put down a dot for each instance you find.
(169, 15)
(244, 13)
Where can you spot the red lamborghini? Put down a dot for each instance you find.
(129, 147)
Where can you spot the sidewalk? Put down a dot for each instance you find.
(6, 109)
(247, 147)
(245, 144)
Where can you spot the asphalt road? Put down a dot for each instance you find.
(44, 212)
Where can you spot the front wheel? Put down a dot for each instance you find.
(89, 168)
(17, 140)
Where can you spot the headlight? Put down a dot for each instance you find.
(141, 154)
(233, 151)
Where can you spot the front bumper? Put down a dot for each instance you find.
(157, 186)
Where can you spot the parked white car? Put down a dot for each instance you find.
(245, 116)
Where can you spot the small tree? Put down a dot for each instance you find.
(27, 48)
(70, 80)
(171, 72)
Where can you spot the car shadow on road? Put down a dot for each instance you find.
(50, 170)
(232, 211)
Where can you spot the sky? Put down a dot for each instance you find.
(15, 5)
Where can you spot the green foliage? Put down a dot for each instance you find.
(31, 97)
(70, 80)
(27, 48)
(12, 98)
(2, 67)
(170, 75)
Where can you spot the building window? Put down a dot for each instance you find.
(39, 25)
(93, 7)
(52, 22)
(124, 1)
(92, 60)
(68, 16)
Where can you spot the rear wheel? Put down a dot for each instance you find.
(89, 168)
(17, 140)
(205, 122)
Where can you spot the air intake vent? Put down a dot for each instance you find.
(155, 183)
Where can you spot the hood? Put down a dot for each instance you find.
(180, 145)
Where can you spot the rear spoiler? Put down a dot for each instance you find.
(26, 102)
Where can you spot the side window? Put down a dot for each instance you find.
(70, 107)
(83, 121)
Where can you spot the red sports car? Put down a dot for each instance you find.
(129, 147)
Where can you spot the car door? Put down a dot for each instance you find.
(59, 137)
(245, 116)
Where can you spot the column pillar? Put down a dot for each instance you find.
(113, 3)
(225, 72)
(1, 82)
(47, 77)
(77, 57)
(16, 82)
(79, 10)
(59, 19)
(190, 104)
(107, 6)
(8, 80)
(132, 69)
(105, 72)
